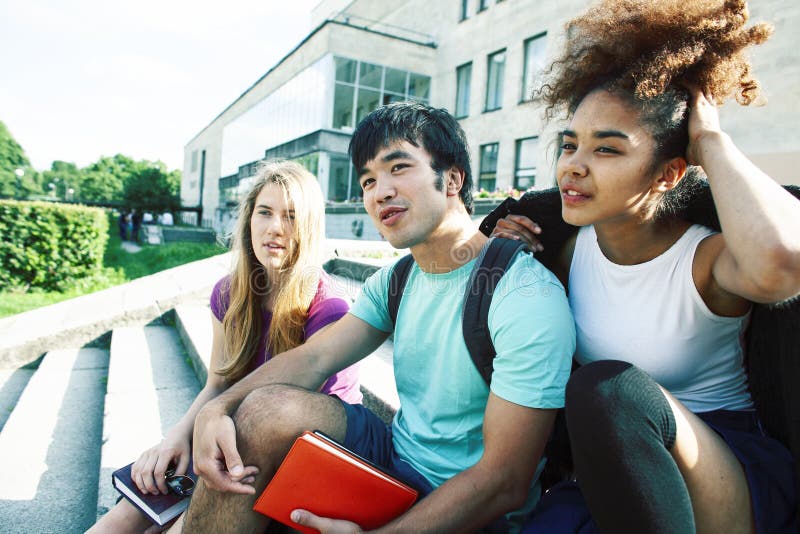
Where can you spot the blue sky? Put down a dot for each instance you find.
(80, 79)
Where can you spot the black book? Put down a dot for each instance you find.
(161, 509)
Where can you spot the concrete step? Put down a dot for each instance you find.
(150, 386)
(50, 445)
(193, 324)
(12, 384)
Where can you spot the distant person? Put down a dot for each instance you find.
(166, 219)
(129, 225)
(122, 222)
(147, 218)
(276, 297)
(136, 222)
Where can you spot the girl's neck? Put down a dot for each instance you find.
(272, 289)
(634, 241)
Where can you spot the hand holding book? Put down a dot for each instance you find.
(325, 525)
(149, 469)
(333, 489)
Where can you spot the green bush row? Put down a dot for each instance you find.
(49, 246)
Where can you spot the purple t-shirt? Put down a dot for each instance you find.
(326, 308)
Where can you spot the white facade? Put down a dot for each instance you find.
(296, 109)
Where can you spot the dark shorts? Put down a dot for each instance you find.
(369, 437)
(768, 466)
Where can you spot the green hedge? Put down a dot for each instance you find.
(49, 245)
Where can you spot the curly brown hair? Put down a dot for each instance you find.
(647, 47)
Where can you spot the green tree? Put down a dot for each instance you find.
(105, 180)
(12, 157)
(62, 177)
(153, 189)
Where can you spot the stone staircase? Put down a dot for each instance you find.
(71, 417)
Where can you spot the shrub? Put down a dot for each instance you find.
(49, 246)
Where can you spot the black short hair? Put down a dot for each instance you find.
(435, 129)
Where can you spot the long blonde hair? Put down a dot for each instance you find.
(250, 282)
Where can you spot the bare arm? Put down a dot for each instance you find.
(329, 351)
(514, 440)
(760, 258)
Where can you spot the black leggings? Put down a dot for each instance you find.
(621, 429)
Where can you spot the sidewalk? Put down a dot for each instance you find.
(131, 247)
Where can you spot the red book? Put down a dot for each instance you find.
(321, 476)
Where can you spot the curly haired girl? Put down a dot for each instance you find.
(663, 431)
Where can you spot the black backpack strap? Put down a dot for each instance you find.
(397, 283)
(490, 266)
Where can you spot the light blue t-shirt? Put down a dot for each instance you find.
(439, 426)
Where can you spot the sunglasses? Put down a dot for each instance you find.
(180, 485)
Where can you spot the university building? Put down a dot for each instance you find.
(476, 58)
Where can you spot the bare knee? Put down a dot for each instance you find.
(270, 418)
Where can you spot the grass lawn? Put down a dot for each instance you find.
(120, 266)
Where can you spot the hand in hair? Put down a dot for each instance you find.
(703, 121)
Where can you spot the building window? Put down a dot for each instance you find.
(343, 106)
(464, 10)
(419, 87)
(194, 160)
(361, 87)
(483, 5)
(343, 181)
(370, 75)
(494, 80)
(395, 81)
(525, 165)
(534, 64)
(463, 80)
(488, 176)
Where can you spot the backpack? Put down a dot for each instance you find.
(490, 266)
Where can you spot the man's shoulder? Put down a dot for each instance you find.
(525, 271)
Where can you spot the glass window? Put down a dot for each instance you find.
(310, 162)
(464, 10)
(343, 106)
(339, 178)
(419, 87)
(395, 81)
(367, 101)
(345, 70)
(463, 81)
(375, 85)
(194, 160)
(343, 184)
(534, 64)
(488, 177)
(483, 5)
(494, 83)
(370, 75)
(389, 98)
(525, 166)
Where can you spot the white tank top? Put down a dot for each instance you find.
(652, 316)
